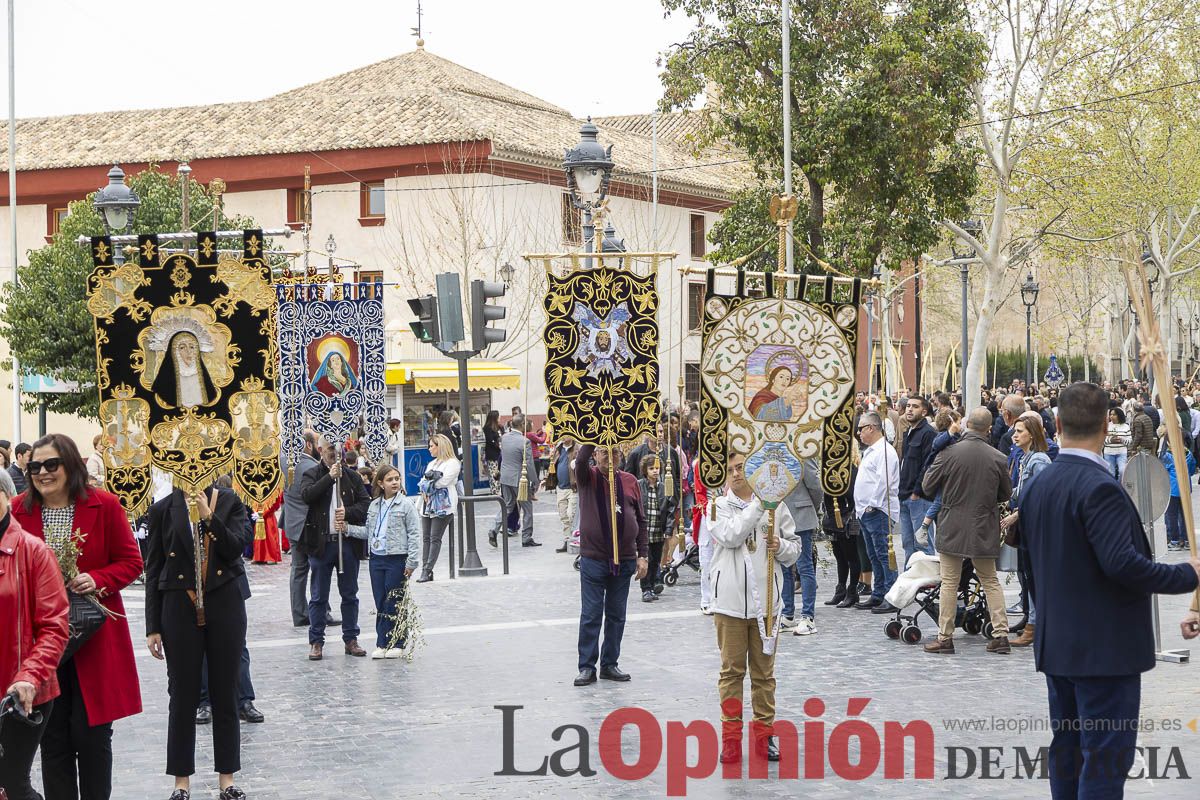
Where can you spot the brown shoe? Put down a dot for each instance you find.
(999, 645)
(314, 652)
(941, 646)
(1025, 639)
(352, 649)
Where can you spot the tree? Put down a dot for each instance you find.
(45, 317)
(879, 90)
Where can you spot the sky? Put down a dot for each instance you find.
(590, 58)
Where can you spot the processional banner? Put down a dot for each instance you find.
(332, 364)
(601, 340)
(186, 364)
(777, 384)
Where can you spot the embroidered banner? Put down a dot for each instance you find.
(601, 340)
(186, 363)
(777, 384)
(331, 365)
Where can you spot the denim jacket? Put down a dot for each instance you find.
(403, 529)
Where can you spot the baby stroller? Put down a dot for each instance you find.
(690, 557)
(921, 584)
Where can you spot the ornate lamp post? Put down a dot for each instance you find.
(589, 167)
(116, 204)
(507, 272)
(973, 227)
(1029, 295)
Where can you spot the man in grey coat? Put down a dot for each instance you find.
(294, 512)
(974, 480)
(803, 503)
(516, 461)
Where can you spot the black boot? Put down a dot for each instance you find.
(849, 600)
(838, 596)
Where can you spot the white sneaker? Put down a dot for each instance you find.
(805, 627)
(394, 652)
(789, 622)
(378, 652)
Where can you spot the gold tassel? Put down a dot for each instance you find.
(260, 530)
(523, 490)
(291, 476)
(712, 510)
(669, 485)
(837, 514)
(891, 550)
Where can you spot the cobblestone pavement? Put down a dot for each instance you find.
(352, 727)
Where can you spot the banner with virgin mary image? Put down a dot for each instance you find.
(777, 384)
(601, 340)
(332, 363)
(186, 364)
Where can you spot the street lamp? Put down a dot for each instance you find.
(610, 243)
(116, 204)
(973, 227)
(507, 272)
(589, 167)
(871, 293)
(1029, 295)
(1137, 347)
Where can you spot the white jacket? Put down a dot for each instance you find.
(734, 569)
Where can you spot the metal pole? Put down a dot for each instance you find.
(787, 121)
(870, 342)
(41, 416)
(589, 235)
(962, 353)
(12, 203)
(918, 324)
(1028, 349)
(472, 567)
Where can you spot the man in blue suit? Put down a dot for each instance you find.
(1093, 575)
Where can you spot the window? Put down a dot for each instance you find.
(695, 306)
(691, 381)
(697, 236)
(295, 208)
(369, 276)
(54, 220)
(572, 225)
(372, 205)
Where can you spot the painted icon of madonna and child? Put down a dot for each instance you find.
(776, 383)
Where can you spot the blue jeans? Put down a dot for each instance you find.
(1089, 755)
(245, 687)
(1174, 521)
(874, 525)
(1116, 463)
(912, 514)
(387, 575)
(321, 568)
(604, 597)
(808, 581)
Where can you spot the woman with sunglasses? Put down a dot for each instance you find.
(33, 605)
(439, 498)
(100, 682)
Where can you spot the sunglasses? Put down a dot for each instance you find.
(51, 465)
(865, 427)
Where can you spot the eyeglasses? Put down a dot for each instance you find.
(51, 465)
(865, 427)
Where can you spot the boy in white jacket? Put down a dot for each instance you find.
(738, 580)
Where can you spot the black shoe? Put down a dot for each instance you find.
(613, 674)
(492, 539)
(649, 596)
(862, 589)
(249, 713)
(425, 578)
(586, 675)
(658, 588)
(181, 794)
(884, 608)
(838, 596)
(868, 604)
(231, 793)
(203, 715)
(849, 601)
(562, 549)
(531, 543)
(772, 749)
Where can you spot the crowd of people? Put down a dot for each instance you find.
(1030, 471)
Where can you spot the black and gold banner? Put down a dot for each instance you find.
(186, 368)
(602, 355)
(777, 382)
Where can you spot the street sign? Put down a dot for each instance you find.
(1149, 485)
(44, 384)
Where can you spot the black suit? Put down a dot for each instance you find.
(316, 488)
(170, 574)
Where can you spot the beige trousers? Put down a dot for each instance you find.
(741, 645)
(568, 504)
(985, 568)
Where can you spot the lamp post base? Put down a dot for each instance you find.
(472, 567)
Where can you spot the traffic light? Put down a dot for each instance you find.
(482, 314)
(426, 326)
(450, 310)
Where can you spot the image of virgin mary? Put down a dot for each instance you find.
(183, 380)
(769, 403)
(333, 377)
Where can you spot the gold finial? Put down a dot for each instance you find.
(216, 186)
(420, 43)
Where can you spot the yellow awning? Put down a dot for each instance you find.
(442, 376)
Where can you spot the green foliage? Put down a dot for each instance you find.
(744, 227)
(45, 317)
(879, 92)
(1009, 365)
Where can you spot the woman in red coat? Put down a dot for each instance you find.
(100, 683)
(266, 549)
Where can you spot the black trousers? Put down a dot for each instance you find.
(76, 757)
(221, 640)
(845, 551)
(651, 578)
(19, 743)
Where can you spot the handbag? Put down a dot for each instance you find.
(84, 618)
(1007, 560)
